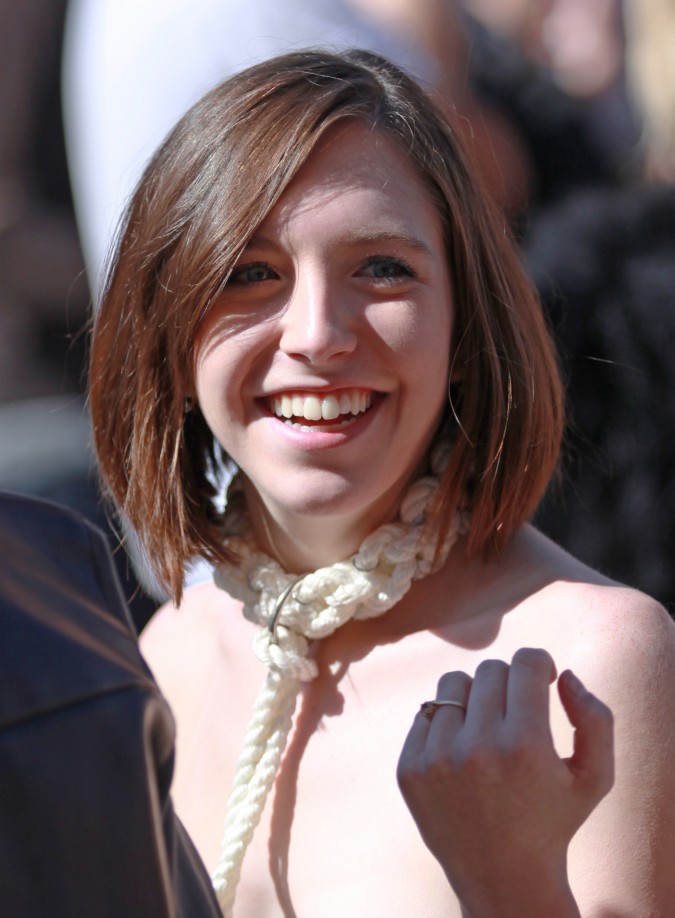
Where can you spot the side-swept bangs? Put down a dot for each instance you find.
(201, 198)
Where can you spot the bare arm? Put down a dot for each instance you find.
(621, 860)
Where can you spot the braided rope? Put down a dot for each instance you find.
(294, 611)
(257, 768)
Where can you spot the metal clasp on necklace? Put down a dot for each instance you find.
(278, 606)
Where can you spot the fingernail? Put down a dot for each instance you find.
(574, 685)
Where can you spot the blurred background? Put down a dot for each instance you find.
(44, 294)
(568, 108)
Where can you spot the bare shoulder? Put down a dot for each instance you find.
(605, 615)
(625, 641)
(182, 642)
(172, 625)
(574, 586)
(614, 636)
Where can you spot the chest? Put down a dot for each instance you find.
(335, 837)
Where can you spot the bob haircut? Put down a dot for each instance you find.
(206, 190)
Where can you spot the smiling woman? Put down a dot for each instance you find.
(202, 203)
(310, 288)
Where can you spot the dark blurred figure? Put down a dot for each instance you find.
(44, 433)
(555, 70)
(605, 265)
(604, 262)
(86, 738)
(43, 298)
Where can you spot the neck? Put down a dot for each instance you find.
(307, 543)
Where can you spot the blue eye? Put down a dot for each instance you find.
(384, 267)
(255, 273)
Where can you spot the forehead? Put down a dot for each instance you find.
(360, 171)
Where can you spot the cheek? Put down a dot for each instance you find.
(209, 370)
(420, 342)
(415, 334)
(224, 359)
(215, 384)
(430, 358)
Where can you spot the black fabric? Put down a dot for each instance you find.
(86, 739)
(604, 264)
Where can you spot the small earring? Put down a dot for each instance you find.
(188, 404)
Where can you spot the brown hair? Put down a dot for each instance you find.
(202, 196)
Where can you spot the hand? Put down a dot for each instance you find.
(492, 799)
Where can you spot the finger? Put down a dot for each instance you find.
(451, 687)
(416, 748)
(447, 720)
(527, 694)
(592, 762)
(414, 744)
(487, 699)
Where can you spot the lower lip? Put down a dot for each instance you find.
(310, 438)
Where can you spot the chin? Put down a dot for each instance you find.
(323, 495)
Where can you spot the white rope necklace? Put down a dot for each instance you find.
(295, 610)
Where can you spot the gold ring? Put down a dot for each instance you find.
(429, 708)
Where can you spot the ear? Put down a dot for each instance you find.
(188, 385)
(187, 388)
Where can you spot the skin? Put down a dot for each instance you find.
(505, 801)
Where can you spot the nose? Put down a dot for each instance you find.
(318, 324)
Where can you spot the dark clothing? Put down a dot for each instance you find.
(87, 827)
(604, 263)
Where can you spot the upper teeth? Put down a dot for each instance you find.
(320, 407)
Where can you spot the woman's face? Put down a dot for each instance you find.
(322, 368)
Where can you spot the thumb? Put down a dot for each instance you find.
(592, 763)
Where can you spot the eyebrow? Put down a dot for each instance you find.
(353, 237)
(401, 238)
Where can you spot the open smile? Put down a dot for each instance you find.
(325, 410)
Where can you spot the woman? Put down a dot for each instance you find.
(310, 286)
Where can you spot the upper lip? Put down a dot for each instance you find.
(319, 389)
